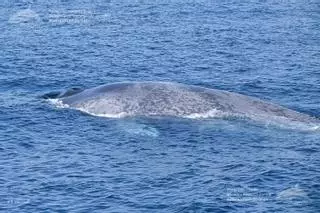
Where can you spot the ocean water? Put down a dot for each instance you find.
(61, 160)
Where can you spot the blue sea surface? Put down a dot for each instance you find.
(62, 160)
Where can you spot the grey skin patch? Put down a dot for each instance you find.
(178, 100)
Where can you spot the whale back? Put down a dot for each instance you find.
(179, 100)
(162, 99)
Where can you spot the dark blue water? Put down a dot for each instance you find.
(62, 160)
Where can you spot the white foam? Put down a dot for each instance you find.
(58, 103)
(214, 113)
(106, 115)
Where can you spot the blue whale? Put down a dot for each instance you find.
(178, 100)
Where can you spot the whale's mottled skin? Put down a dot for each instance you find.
(178, 100)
